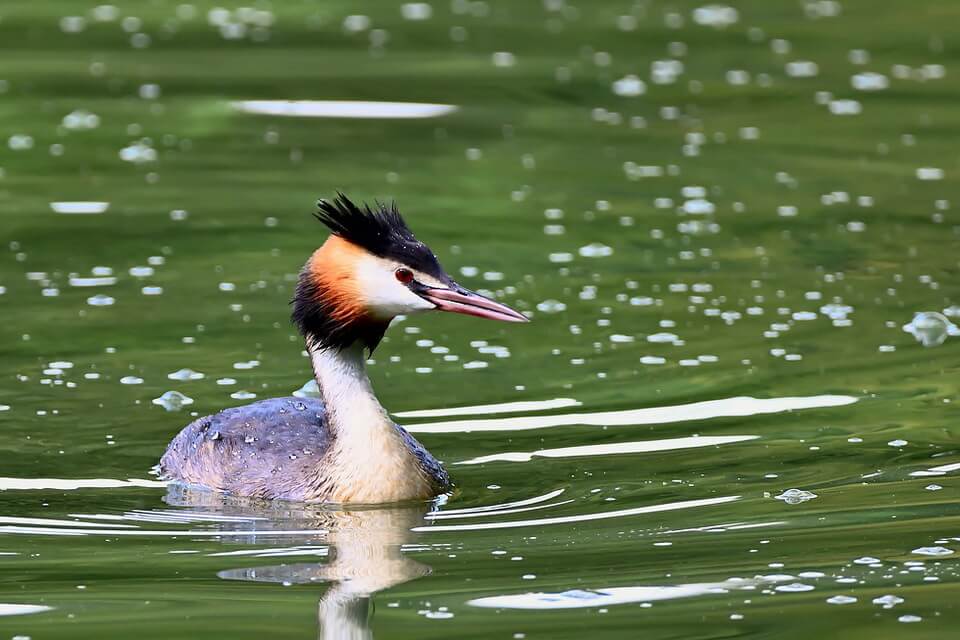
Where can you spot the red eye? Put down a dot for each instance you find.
(405, 276)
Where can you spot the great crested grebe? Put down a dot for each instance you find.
(342, 448)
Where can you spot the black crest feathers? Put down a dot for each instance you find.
(373, 229)
(381, 230)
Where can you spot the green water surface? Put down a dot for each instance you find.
(718, 218)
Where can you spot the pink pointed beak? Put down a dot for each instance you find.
(460, 300)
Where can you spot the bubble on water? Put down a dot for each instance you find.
(416, 11)
(787, 211)
(866, 560)
(870, 81)
(249, 364)
(243, 395)
(794, 587)
(80, 119)
(438, 615)
(845, 107)
(504, 59)
(131, 380)
(560, 258)
(151, 291)
(186, 374)
(652, 360)
(898, 443)
(225, 382)
(149, 91)
(20, 142)
(310, 389)
(836, 311)
(100, 300)
(930, 328)
(929, 173)
(665, 71)
(802, 69)
(72, 24)
(933, 487)
(796, 496)
(629, 86)
(888, 601)
(718, 16)
(663, 337)
(737, 77)
(933, 551)
(105, 13)
(172, 400)
(475, 364)
(595, 250)
(356, 23)
(138, 153)
(551, 306)
(841, 600)
(699, 206)
(141, 272)
(909, 618)
(105, 281)
(635, 171)
(178, 214)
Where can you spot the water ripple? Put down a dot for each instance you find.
(604, 515)
(579, 598)
(724, 408)
(503, 407)
(643, 446)
(343, 109)
(69, 484)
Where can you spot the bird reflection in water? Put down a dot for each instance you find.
(364, 550)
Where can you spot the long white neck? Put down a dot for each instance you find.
(369, 460)
(352, 408)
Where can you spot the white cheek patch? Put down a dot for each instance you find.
(384, 295)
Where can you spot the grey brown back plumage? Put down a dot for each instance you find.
(275, 449)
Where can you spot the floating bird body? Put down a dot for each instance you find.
(342, 447)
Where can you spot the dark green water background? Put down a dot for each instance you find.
(782, 222)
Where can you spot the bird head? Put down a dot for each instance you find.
(370, 270)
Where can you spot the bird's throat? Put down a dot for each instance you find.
(346, 390)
